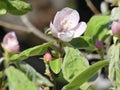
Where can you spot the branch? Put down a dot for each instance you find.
(92, 7)
(13, 27)
(36, 31)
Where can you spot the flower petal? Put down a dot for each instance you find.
(66, 36)
(53, 29)
(73, 19)
(68, 14)
(57, 21)
(10, 35)
(10, 43)
(80, 29)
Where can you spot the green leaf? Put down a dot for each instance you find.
(73, 64)
(85, 75)
(82, 43)
(3, 11)
(36, 50)
(97, 27)
(55, 65)
(18, 7)
(114, 66)
(18, 81)
(34, 76)
(3, 7)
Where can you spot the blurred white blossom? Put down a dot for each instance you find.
(115, 13)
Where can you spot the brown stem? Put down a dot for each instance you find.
(92, 7)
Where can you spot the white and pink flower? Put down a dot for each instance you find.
(10, 43)
(66, 25)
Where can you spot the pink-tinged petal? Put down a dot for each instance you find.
(80, 29)
(66, 16)
(72, 19)
(61, 14)
(66, 36)
(10, 35)
(57, 21)
(53, 29)
(10, 43)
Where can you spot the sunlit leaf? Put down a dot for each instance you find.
(73, 64)
(36, 50)
(17, 80)
(97, 27)
(56, 65)
(36, 77)
(85, 75)
(114, 66)
(18, 7)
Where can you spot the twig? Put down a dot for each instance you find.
(93, 56)
(13, 27)
(92, 7)
(36, 31)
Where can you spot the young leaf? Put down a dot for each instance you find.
(73, 64)
(35, 76)
(18, 81)
(85, 75)
(55, 65)
(18, 7)
(97, 27)
(36, 50)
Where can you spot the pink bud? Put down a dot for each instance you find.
(10, 43)
(47, 57)
(116, 28)
(99, 44)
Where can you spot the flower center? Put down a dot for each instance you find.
(66, 24)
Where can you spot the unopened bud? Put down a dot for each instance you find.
(10, 43)
(47, 57)
(116, 28)
(99, 45)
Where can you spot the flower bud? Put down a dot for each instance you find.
(116, 28)
(47, 57)
(99, 44)
(10, 43)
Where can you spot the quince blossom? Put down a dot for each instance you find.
(10, 43)
(66, 25)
